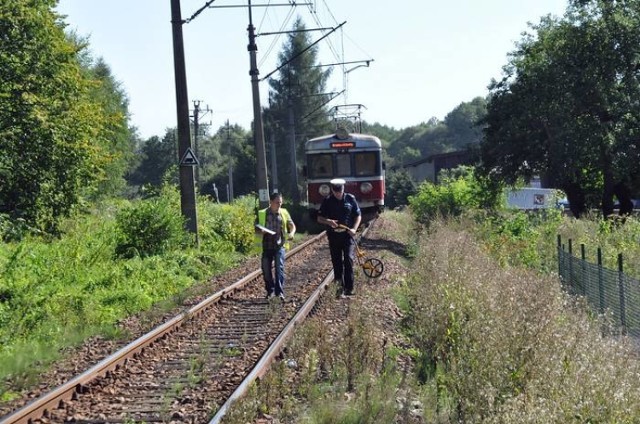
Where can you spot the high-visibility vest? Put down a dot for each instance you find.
(284, 217)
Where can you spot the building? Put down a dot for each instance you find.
(428, 168)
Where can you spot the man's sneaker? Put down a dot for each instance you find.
(270, 295)
(349, 294)
(281, 297)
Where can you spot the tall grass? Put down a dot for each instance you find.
(507, 345)
(529, 239)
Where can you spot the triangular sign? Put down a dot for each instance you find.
(189, 158)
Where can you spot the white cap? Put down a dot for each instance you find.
(337, 181)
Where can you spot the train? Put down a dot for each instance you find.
(354, 157)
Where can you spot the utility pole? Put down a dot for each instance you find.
(196, 111)
(196, 135)
(292, 145)
(258, 130)
(187, 180)
(230, 185)
(274, 164)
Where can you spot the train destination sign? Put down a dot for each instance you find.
(343, 145)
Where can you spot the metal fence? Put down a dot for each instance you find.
(606, 290)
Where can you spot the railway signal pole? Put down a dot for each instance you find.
(187, 178)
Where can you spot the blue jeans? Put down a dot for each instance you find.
(269, 259)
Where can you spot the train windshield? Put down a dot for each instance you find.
(320, 166)
(327, 165)
(343, 165)
(365, 163)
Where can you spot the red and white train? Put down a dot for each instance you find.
(356, 158)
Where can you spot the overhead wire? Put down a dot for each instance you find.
(197, 12)
(275, 40)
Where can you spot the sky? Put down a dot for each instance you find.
(426, 57)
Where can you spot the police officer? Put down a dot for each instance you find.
(340, 211)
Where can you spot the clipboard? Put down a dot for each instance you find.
(265, 229)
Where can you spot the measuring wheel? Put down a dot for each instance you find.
(372, 267)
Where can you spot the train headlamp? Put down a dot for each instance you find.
(324, 190)
(366, 188)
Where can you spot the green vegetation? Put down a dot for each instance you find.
(107, 267)
(457, 192)
(63, 120)
(507, 345)
(492, 336)
(567, 107)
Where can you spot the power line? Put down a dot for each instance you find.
(291, 59)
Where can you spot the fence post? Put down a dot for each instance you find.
(600, 281)
(583, 256)
(571, 281)
(560, 256)
(623, 317)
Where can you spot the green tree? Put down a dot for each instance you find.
(568, 106)
(50, 140)
(115, 134)
(461, 129)
(296, 109)
(399, 186)
(156, 157)
(230, 148)
(464, 123)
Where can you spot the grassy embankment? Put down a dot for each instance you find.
(492, 336)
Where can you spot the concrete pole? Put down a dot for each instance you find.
(292, 145)
(187, 180)
(258, 130)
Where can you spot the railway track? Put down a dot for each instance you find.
(192, 367)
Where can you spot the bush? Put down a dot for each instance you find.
(13, 229)
(399, 186)
(232, 223)
(149, 228)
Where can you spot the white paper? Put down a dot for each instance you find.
(265, 229)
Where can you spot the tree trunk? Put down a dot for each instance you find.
(623, 194)
(576, 198)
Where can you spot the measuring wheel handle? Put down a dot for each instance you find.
(373, 267)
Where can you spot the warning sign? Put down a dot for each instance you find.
(189, 158)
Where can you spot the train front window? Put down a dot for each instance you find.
(366, 164)
(320, 166)
(343, 165)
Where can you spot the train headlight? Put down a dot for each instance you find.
(324, 190)
(366, 188)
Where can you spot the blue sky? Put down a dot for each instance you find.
(428, 57)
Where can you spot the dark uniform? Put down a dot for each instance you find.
(341, 243)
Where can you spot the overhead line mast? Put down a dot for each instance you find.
(258, 128)
(187, 177)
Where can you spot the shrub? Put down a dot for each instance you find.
(400, 186)
(149, 228)
(232, 223)
(450, 198)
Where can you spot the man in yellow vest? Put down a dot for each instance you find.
(276, 227)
